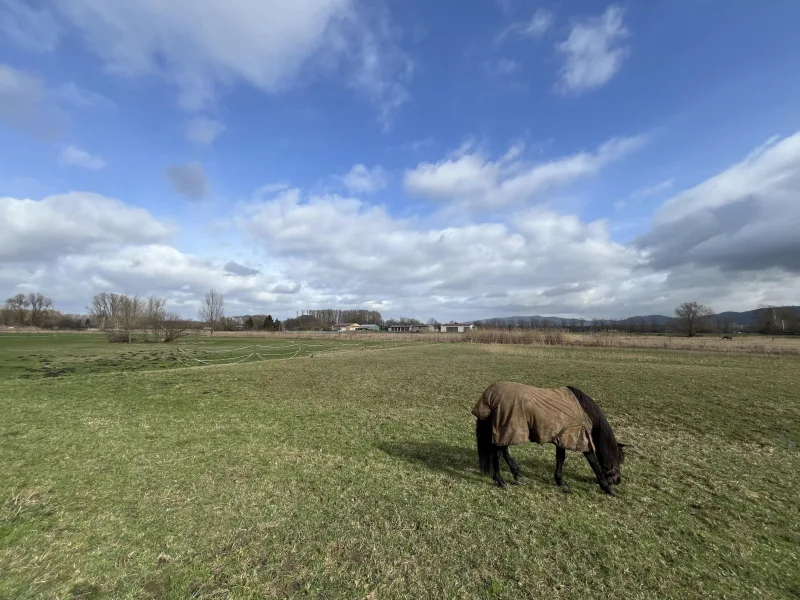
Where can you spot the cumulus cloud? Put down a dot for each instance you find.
(362, 180)
(474, 180)
(74, 222)
(534, 27)
(593, 52)
(72, 156)
(269, 45)
(188, 180)
(203, 131)
(343, 246)
(744, 219)
(32, 28)
(729, 242)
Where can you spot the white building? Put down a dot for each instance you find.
(456, 327)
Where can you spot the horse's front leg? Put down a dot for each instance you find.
(561, 456)
(598, 472)
(512, 464)
(498, 451)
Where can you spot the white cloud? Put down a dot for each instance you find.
(729, 242)
(74, 222)
(203, 131)
(269, 44)
(33, 29)
(593, 52)
(536, 26)
(362, 180)
(72, 156)
(188, 180)
(744, 219)
(343, 247)
(472, 179)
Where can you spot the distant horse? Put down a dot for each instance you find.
(512, 413)
(726, 337)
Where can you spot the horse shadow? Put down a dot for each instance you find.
(462, 462)
(455, 461)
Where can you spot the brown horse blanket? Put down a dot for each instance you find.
(522, 413)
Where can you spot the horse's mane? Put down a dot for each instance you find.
(605, 443)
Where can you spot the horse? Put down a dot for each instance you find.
(726, 337)
(512, 413)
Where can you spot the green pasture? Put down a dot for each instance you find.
(35, 355)
(352, 474)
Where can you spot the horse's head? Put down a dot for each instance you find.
(612, 466)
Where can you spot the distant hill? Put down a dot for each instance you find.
(750, 317)
(746, 318)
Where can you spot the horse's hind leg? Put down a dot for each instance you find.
(598, 472)
(496, 467)
(512, 464)
(561, 456)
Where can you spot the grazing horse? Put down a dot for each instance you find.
(512, 413)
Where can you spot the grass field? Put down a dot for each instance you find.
(352, 474)
(37, 355)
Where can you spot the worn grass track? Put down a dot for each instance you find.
(36, 355)
(351, 473)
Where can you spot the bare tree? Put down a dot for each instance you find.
(39, 306)
(101, 308)
(132, 308)
(692, 316)
(154, 315)
(213, 309)
(107, 309)
(18, 306)
(174, 327)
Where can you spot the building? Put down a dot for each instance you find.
(398, 328)
(424, 328)
(345, 327)
(368, 327)
(456, 327)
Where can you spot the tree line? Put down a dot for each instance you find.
(122, 316)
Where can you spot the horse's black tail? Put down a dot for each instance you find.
(483, 431)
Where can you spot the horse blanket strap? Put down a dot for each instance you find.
(523, 413)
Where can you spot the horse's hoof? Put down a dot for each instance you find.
(519, 480)
(501, 484)
(610, 492)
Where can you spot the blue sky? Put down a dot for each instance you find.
(575, 159)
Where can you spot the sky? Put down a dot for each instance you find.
(455, 161)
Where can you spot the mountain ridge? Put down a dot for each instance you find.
(745, 318)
